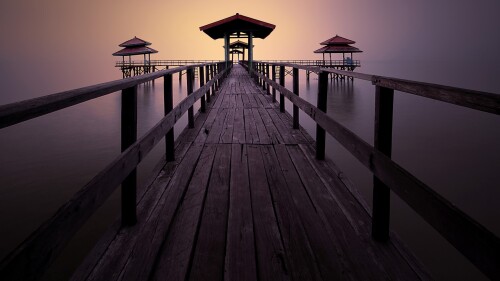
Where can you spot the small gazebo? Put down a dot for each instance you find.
(238, 26)
(338, 44)
(135, 46)
(237, 52)
(238, 46)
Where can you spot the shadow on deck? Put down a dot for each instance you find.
(246, 199)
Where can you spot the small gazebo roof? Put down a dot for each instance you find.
(134, 42)
(234, 51)
(238, 45)
(338, 49)
(130, 51)
(238, 23)
(337, 40)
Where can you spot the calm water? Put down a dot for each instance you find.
(452, 149)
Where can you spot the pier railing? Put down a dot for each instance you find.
(32, 258)
(473, 240)
(325, 62)
(162, 62)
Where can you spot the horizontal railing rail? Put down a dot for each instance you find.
(473, 240)
(325, 62)
(162, 62)
(31, 259)
(478, 100)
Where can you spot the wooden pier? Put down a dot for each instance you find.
(245, 193)
(247, 200)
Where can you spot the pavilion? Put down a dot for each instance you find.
(238, 26)
(239, 46)
(338, 44)
(135, 46)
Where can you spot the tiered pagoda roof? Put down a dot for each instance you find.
(338, 44)
(135, 46)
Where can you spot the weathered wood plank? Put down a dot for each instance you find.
(296, 244)
(126, 248)
(272, 262)
(240, 261)
(251, 133)
(208, 256)
(355, 258)
(272, 131)
(175, 255)
(356, 211)
(246, 101)
(217, 127)
(239, 126)
(261, 128)
(330, 259)
(148, 200)
(229, 126)
(300, 135)
(285, 131)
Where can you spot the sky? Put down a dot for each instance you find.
(78, 37)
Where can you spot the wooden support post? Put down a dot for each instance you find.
(180, 76)
(168, 102)
(295, 91)
(202, 82)
(282, 83)
(273, 77)
(322, 98)
(128, 137)
(212, 74)
(217, 69)
(263, 72)
(267, 75)
(384, 98)
(189, 80)
(207, 79)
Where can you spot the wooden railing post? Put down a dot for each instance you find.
(189, 92)
(215, 72)
(128, 137)
(322, 98)
(282, 83)
(168, 102)
(384, 98)
(202, 82)
(212, 71)
(207, 79)
(295, 91)
(273, 77)
(267, 75)
(263, 72)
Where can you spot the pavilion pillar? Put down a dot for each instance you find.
(243, 53)
(250, 51)
(226, 49)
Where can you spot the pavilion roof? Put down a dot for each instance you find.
(238, 23)
(338, 49)
(337, 40)
(234, 51)
(134, 42)
(130, 51)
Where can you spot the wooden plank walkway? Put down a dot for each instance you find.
(245, 199)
